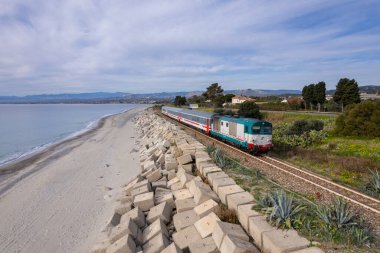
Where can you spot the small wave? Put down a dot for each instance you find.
(35, 150)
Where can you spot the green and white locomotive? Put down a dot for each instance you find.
(253, 135)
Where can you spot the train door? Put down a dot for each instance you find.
(216, 124)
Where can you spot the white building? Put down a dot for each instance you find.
(240, 99)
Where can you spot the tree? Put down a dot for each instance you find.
(250, 109)
(320, 94)
(196, 99)
(213, 93)
(178, 101)
(347, 92)
(308, 95)
(228, 98)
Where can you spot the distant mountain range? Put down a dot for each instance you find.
(121, 97)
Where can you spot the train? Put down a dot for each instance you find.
(251, 135)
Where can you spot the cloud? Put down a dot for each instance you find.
(145, 46)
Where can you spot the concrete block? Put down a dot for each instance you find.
(144, 201)
(205, 226)
(224, 228)
(127, 227)
(123, 245)
(154, 176)
(173, 181)
(309, 250)
(184, 204)
(184, 219)
(209, 170)
(162, 211)
(172, 248)
(203, 194)
(201, 165)
(167, 197)
(123, 208)
(144, 182)
(125, 199)
(206, 245)
(156, 244)
(194, 184)
(231, 244)
(161, 183)
(171, 175)
(244, 213)
(188, 168)
(241, 198)
(283, 241)
(182, 194)
(185, 159)
(220, 182)
(115, 220)
(171, 165)
(225, 191)
(186, 236)
(161, 191)
(136, 215)
(257, 226)
(154, 229)
(149, 164)
(140, 190)
(176, 186)
(185, 177)
(212, 176)
(206, 207)
(127, 189)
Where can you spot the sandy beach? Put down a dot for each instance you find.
(61, 199)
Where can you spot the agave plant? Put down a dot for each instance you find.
(337, 214)
(360, 236)
(283, 210)
(219, 158)
(210, 149)
(374, 183)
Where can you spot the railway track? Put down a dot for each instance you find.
(369, 204)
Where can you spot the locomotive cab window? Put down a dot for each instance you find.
(267, 130)
(221, 123)
(256, 129)
(226, 124)
(245, 129)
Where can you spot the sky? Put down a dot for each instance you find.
(73, 46)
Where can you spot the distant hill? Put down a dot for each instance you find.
(369, 89)
(121, 97)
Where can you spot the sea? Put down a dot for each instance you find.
(29, 128)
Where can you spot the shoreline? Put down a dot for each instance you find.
(44, 150)
(53, 201)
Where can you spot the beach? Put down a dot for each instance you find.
(60, 199)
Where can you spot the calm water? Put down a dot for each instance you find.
(28, 128)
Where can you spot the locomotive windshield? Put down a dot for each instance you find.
(261, 129)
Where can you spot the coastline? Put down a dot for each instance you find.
(56, 200)
(44, 150)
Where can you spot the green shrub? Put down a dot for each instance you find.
(360, 120)
(302, 126)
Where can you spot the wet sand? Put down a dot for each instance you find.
(60, 199)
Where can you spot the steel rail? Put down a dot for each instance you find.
(377, 211)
